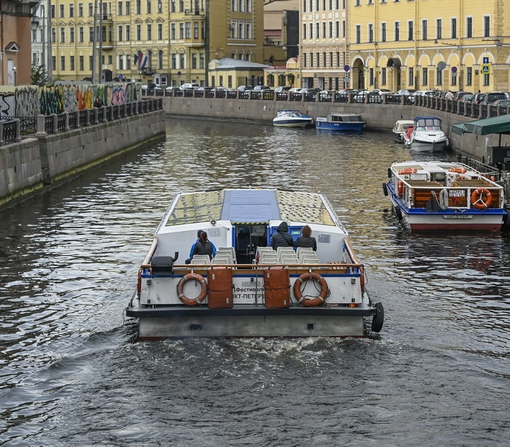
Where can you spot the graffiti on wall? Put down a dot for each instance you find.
(60, 98)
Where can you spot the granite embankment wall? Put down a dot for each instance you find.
(380, 117)
(32, 164)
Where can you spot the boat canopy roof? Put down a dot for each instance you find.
(496, 125)
(251, 206)
(427, 121)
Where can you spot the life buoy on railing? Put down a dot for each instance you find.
(408, 171)
(311, 302)
(481, 198)
(458, 170)
(400, 188)
(180, 289)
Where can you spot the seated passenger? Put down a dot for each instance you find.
(306, 239)
(282, 237)
(204, 246)
(192, 250)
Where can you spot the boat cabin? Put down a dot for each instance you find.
(246, 220)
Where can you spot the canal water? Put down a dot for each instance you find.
(73, 373)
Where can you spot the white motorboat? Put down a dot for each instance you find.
(292, 118)
(445, 196)
(400, 129)
(426, 135)
(248, 289)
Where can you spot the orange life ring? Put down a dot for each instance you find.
(408, 171)
(400, 188)
(458, 170)
(311, 302)
(180, 289)
(461, 177)
(481, 198)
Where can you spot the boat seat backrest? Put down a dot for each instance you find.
(300, 250)
(220, 260)
(201, 259)
(222, 250)
(285, 250)
(224, 256)
(308, 258)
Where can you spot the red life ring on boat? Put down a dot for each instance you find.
(180, 289)
(408, 171)
(481, 198)
(400, 187)
(458, 170)
(311, 302)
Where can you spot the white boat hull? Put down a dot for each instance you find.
(445, 196)
(256, 290)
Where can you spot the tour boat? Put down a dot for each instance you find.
(249, 289)
(292, 118)
(426, 135)
(439, 195)
(343, 122)
(400, 129)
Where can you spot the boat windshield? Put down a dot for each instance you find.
(428, 124)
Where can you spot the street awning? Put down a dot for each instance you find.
(497, 125)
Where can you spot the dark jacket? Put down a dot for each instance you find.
(206, 249)
(303, 241)
(282, 237)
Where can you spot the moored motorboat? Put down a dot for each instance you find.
(426, 135)
(292, 118)
(342, 122)
(400, 129)
(445, 196)
(248, 289)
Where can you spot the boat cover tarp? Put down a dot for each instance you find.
(496, 125)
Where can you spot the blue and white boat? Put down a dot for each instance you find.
(248, 289)
(445, 196)
(292, 118)
(342, 122)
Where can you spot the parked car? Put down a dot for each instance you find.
(282, 88)
(490, 97)
(477, 98)
(260, 88)
(424, 93)
(243, 88)
(459, 95)
(501, 103)
(467, 98)
(295, 93)
(189, 85)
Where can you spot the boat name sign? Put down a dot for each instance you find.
(248, 291)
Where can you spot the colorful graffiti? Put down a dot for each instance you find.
(60, 98)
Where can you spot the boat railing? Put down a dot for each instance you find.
(337, 267)
(463, 194)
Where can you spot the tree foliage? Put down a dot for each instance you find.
(39, 75)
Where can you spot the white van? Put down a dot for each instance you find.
(189, 85)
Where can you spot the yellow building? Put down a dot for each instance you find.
(323, 50)
(168, 42)
(454, 45)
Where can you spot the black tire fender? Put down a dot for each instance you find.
(378, 320)
(398, 212)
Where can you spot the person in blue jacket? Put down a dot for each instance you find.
(192, 250)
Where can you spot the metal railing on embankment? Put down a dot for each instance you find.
(13, 129)
(461, 108)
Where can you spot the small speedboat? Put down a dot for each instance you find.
(426, 135)
(445, 196)
(343, 122)
(400, 129)
(292, 118)
(248, 289)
